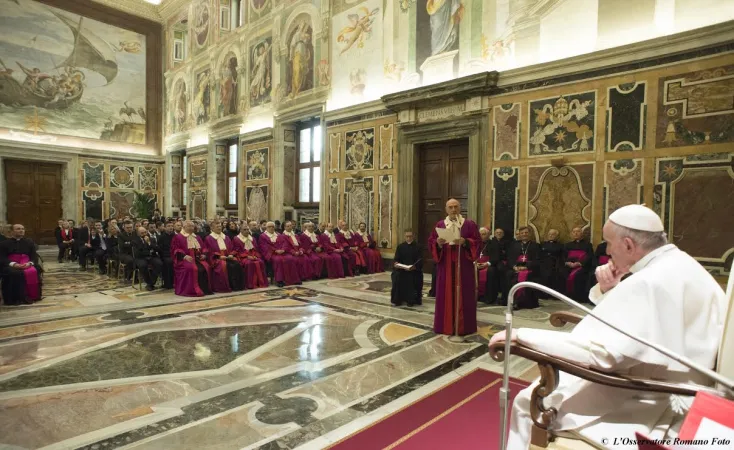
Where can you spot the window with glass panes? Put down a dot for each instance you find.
(232, 154)
(309, 163)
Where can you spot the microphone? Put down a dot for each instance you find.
(505, 390)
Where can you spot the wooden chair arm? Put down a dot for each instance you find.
(497, 350)
(561, 318)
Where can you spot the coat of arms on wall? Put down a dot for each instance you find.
(359, 154)
(257, 164)
(562, 124)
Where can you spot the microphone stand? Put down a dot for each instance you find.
(505, 390)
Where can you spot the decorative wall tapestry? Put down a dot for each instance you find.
(261, 67)
(257, 164)
(626, 117)
(257, 203)
(360, 151)
(562, 124)
(70, 75)
(506, 131)
(696, 108)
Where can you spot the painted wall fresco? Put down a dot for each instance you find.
(261, 72)
(299, 72)
(106, 187)
(257, 182)
(64, 74)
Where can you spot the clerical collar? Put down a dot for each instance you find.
(459, 220)
(641, 264)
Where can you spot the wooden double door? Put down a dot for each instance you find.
(34, 198)
(444, 174)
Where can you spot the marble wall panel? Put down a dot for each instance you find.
(257, 202)
(562, 124)
(257, 164)
(197, 172)
(622, 184)
(176, 181)
(335, 142)
(359, 195)
(122, 177)
(148, 178)
(626, 110)
(505, 199)
(289, 174)
(93, 174)
(93, 204)
(385, 217)
(359, 153)
(560, 198)
(387, 140)
(696, 201)
(121, 204)
(197, 204)
(334, 196)
(696, 108)
(506, 129)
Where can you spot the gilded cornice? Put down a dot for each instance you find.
(139, 8)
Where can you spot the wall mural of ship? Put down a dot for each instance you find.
(97, 91)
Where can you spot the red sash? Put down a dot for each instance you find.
(523, 274)
(31, 276)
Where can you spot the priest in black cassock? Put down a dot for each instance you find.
(407, 283)
(523, 258)
(551, 261)
(20, 269)
(578, 259)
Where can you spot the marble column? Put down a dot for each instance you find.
(211, 180)
(167, 181)
(277, 192)
(3, 193)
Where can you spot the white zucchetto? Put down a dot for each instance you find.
(637, 217)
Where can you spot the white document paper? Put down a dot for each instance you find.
(448, 234)
(708, 430)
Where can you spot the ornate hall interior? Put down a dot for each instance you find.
(545, 114)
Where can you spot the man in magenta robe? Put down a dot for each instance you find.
(360, 263)
(244, 247)
(455, 280)
(325, 246)
(225, 268)
(309, 267)
(19, 269)
(341, 247)
(368, 248)
(285, 267)
(344, 241)
(191, 271)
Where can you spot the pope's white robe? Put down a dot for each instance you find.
(670, 300)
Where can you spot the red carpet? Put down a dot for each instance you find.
(463, 414)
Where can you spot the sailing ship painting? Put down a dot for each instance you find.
(82, 77)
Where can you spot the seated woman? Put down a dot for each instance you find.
(191, 271)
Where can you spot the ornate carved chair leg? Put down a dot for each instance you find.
(543, 417)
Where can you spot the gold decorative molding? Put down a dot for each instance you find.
(139, 8)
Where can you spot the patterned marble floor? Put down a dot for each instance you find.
(271, 369)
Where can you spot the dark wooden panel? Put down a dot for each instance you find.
(34, 198)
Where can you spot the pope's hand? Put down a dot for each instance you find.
(500, 337)
(609, 276)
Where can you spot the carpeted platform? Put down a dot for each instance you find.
(463, 414)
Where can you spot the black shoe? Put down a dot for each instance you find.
(83, 269)
(280, 284)
(150, 288)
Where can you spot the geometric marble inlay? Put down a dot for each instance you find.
(155, 353)
(563, 124)
(395, 332)
(626, 117)
(506, 127)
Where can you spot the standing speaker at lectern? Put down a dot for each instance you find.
(669, 299)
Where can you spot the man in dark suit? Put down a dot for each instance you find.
(148, 264)
(84, 240)
(164, 251)
(407, 274)
(101, 247)
(125, 248)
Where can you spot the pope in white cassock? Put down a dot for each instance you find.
(668, 299)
